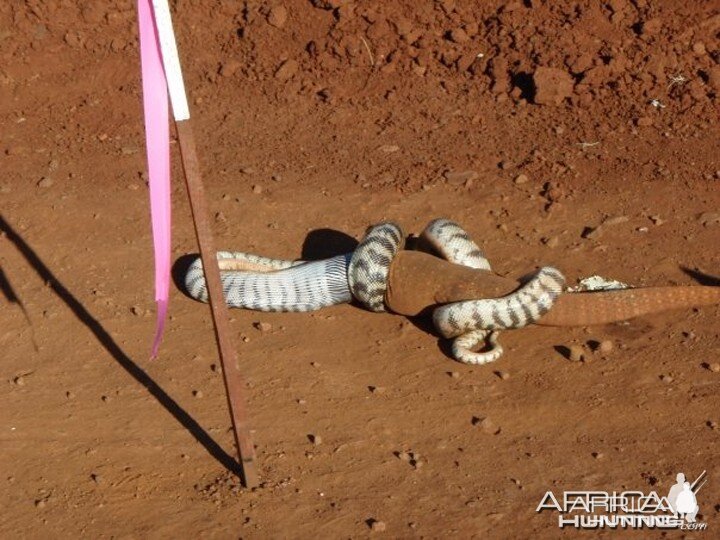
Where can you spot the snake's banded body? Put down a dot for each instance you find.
(259, 283)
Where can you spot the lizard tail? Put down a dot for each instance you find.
(602, 307)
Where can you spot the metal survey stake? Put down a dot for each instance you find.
(234, 382)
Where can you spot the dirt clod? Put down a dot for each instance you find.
(277, 16)
(552, 86)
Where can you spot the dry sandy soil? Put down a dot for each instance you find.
(530, 122)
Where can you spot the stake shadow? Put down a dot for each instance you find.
(123, 360)
(701, 278)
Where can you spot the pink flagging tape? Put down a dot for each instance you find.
(157, 138)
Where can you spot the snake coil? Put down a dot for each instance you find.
(260, 283)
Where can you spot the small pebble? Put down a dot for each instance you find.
(615, 220)
(714, 367)
(45, 182)
(712, 424)
(598, 455)
(69, 395)
(277, 16)
(315, 439)
(263, 326)
(197, 393)
(666, 379)
(404, 456)
(40, 503)
(377, 389)
(378, 526)
(504, 375)
(454, 374)
(606, 346)
(521, 179)
(257, 189)
(486, 425)
(576, 353)
(20, 381)
(551, 242)
(460, 177)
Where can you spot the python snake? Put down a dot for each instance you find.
(260, 283)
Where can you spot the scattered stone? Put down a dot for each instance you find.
(315, 439)
(552, 86)
(486, 425)
(651, 27)
(591, 232)
(220, 217)
(19, 380)
(230, 68)
(263, 326)
(711, 424)
(454, 374)
(69, 395)
(606, 346)
(551, 242)
(277, 16)
(699, 48)
(576, 353)
(615, 220)
(377, 389)
(287, 70)
(460, 177)
(666, 379)
(197, 393)
(377, 526)
(713, 78)
(389, 148)
(404, 456)
(505, 165)
(40, 503)
(709, 218)
(458, 35)
(96, 478)
(45, 182)
(521, 179)
(598, 455)
(714, 367)
(257, 189)
(656, 220)
(504, 375)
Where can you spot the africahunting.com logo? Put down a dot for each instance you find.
(629, 509)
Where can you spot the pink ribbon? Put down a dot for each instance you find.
(157, 138)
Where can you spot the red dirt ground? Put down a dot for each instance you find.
(331, 115)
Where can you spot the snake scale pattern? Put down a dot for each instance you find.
(264, 284)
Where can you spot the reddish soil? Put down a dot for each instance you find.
(529, 122)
